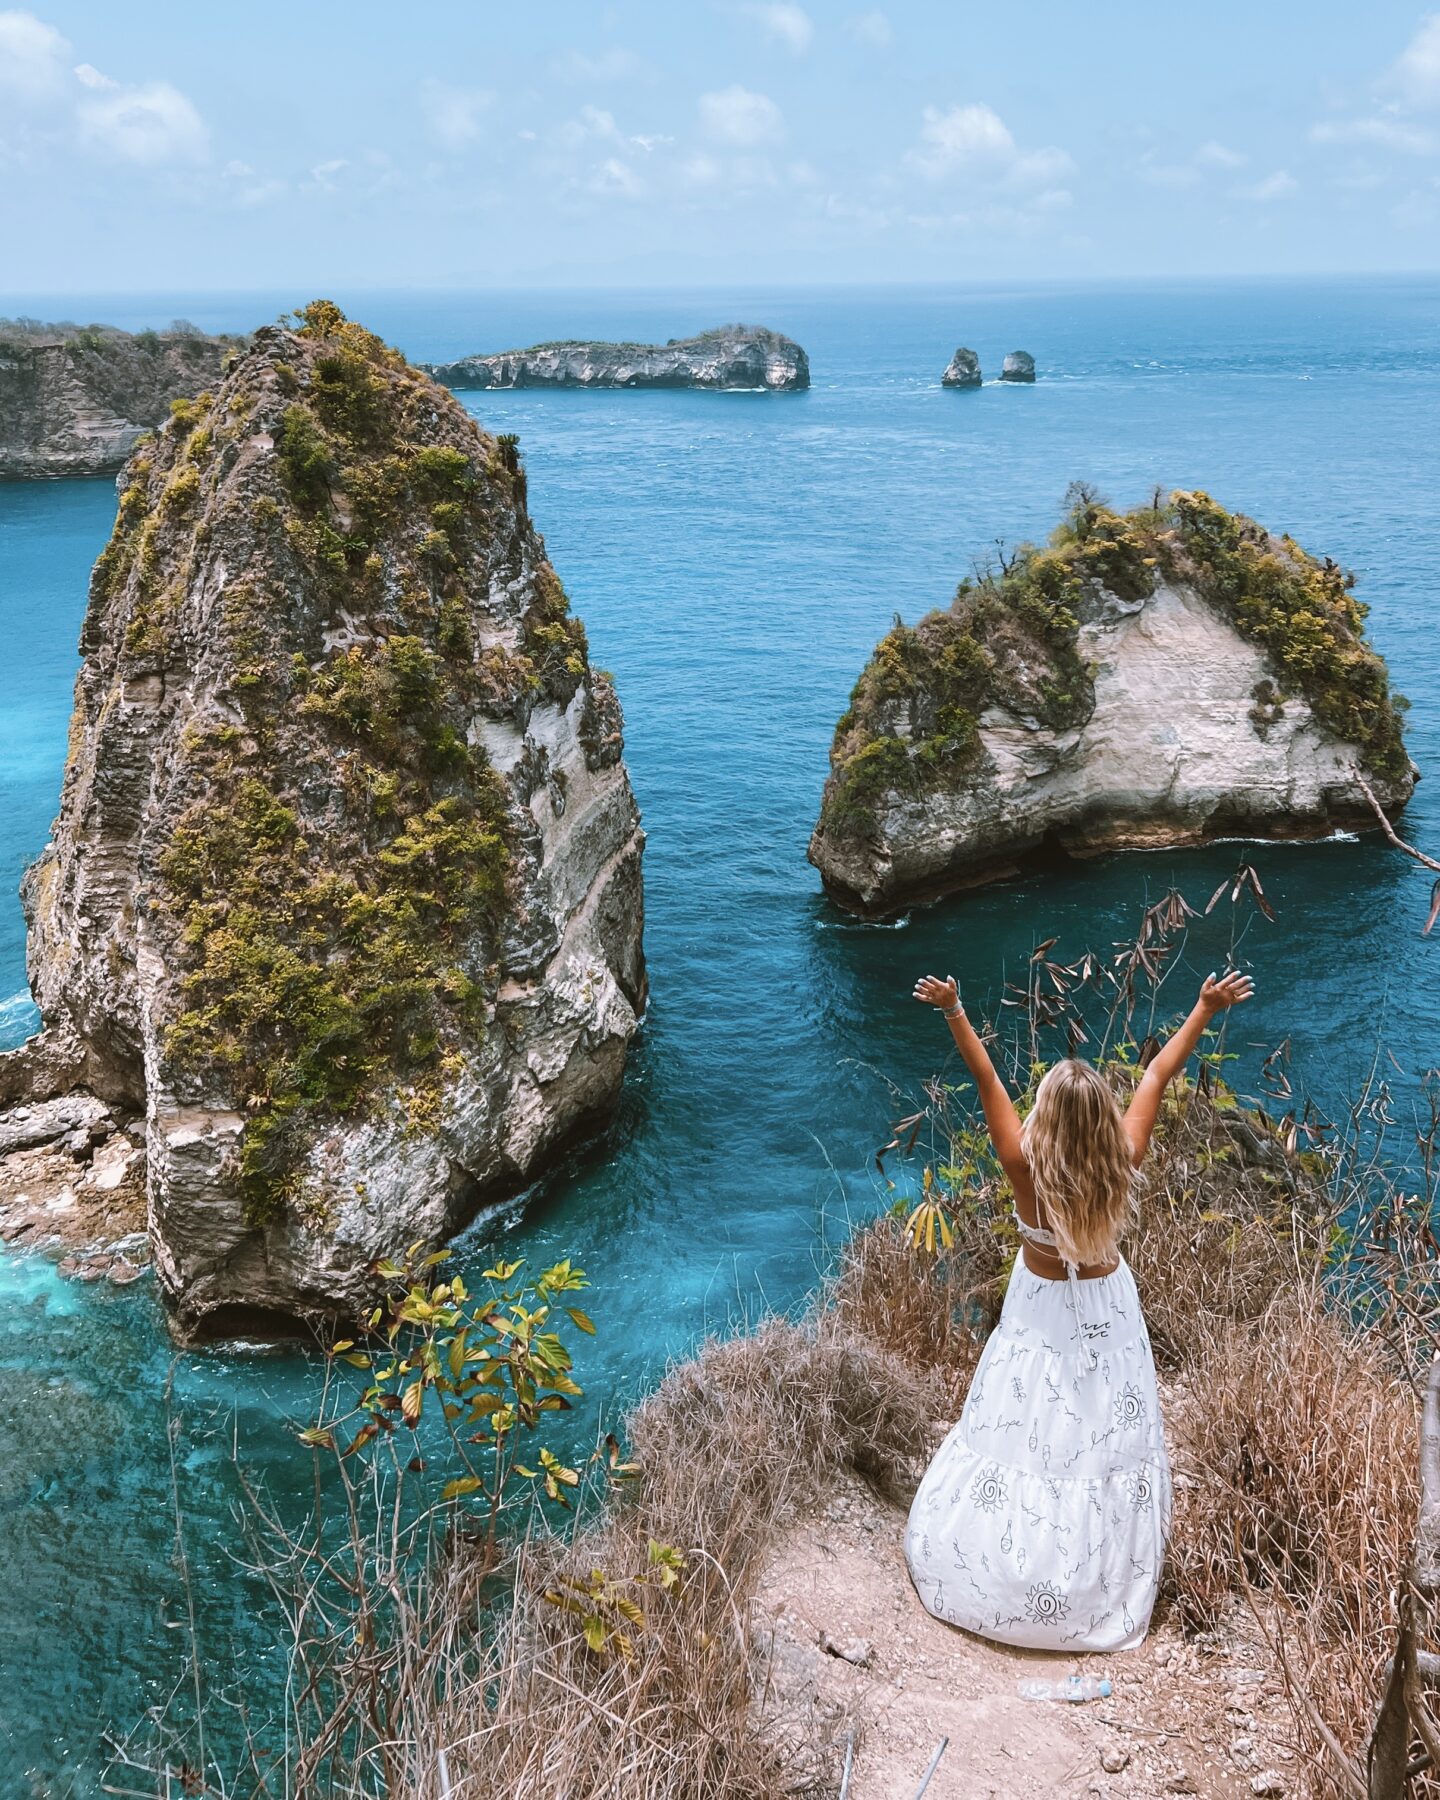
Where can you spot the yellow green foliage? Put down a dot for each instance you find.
(1010, 638)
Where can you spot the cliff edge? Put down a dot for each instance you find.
(1157, 677)
(345, 889)
(74, 400)
(731, 356)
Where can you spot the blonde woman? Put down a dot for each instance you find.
(1042, 1520)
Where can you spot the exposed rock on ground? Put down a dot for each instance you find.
(74, 400)
(1206, 1718)
(1019, 365)
(731, 356)
(344, 897)
(962, 371)
(1161, 677)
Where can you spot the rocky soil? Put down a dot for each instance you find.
(74, 400)
(847, 1645)
(731, 356)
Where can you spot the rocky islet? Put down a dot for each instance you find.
(738, 357)
(344, 899)
(1158, 677)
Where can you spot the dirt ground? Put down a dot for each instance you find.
(848, 1637)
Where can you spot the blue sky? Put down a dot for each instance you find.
(160, 145)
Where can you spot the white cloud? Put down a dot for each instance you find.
(734, 115)
(1389, 134)
(1168, 175)
(973, 140)
(1274, 187)
(594, 125)
(1417, 70)
(615, 179)
(324, 173)
(786, 24)
(873, 29)
(1220, 156)
(34, 57)
(455, 114)
(606, 65)
(152, 123)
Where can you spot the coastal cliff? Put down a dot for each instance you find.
(345, 895)
(731, 356)
(1158, 677)
(74, 400)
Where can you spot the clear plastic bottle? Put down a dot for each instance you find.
(1069, 1687)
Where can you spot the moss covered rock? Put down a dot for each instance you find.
(345, 887)
(1159, 676)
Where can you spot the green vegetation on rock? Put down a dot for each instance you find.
(1010, 639)
(338, 866)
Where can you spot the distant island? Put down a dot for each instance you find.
(744, 357)
(75, 398)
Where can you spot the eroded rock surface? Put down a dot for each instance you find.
(1162, 677)
(344, 897)
(1019, 365)
(74, 400)
(962, 371)
(731, 356)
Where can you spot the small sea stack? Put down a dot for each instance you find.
(1160, 677)
(962, 371)
(1019, 365)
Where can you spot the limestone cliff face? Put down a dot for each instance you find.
(73, 402)
(345, 890)
(732, 356)
(1161, 678)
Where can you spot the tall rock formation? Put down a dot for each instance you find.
(73, 399)
(962, 370)
(345, 889)
(1157, 677)
(731, 356)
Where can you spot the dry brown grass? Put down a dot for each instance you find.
(1296, 1449)
(1293, 1427)
(730, 1443)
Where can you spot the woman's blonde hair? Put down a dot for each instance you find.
(1079, 1155)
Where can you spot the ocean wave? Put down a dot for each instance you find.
(899, 924)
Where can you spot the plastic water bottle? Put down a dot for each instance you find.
(1072, 1687)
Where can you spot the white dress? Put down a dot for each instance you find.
(1042, 1519)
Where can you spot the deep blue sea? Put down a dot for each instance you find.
(735, 557)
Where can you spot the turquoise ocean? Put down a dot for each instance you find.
(735, 557)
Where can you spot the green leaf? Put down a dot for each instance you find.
(582, 1320)
(465, 1484)
(595, 1632)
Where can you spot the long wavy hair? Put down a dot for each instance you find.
(1079, 1155)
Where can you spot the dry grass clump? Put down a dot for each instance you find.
(728, 1444)
(1229, 1219)
(1296, 1447)
(932, 1313)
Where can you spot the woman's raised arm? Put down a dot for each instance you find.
(1001, 1119)
(1173, 1054)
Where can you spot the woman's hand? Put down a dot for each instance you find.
(930, 990)
(1229, 990)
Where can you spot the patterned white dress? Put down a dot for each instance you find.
(1043, 1517)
